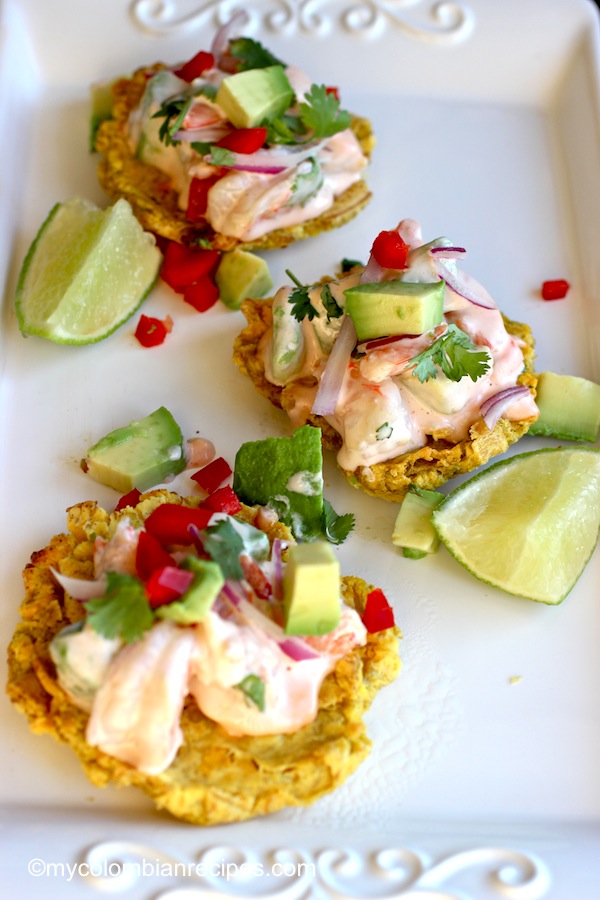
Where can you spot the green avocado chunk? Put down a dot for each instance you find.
(413, 529)
(285, 473)
(254, 96)
(311, 589)
(569, 407)
(139, 455)
(199, 597)
(387, 308)
(242, 274)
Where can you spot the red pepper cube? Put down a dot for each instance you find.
(335, 91)
(150, 555)
(167, 584)
(183, 265)
(198, 197)
(389, 250)
(195, 66)
(202, 294)
(244, 140)
(132, 498)
(211, 476)
(555, 290)
(171, 523)
(223, 500)
(151, 332)
(378, 614)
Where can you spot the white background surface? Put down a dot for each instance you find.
(491, 138)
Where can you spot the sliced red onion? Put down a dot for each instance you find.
(278, 547)
(80, 588)
(234, 592)
(175, 579)
(464, 285)
(365, 346)
(220, 41)
(492, 408)
(372, 273)
(335, 370)
(447, 252)
(298, 650)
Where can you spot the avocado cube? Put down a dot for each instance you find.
(242, 274)
(311, 589)
(387, 308)
(569, 407)
(413, 529)
(287, 474)
(139, 455)
(254, 96)
(199, 597)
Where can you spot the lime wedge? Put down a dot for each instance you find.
(527, 525)
(86, 272)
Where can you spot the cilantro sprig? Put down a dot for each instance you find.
(455, 354)
(318, 116)
(251, 54)
(336, 528)
(173, 111)
(123, 611)
(302, 305)
(224, 546)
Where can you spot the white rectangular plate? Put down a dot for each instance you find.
(483, 781)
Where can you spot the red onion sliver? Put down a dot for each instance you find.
(298, 650)
(492, 408)
(234, 592)
(223, 35)
(335, 370)
(80, 588)
(177, 580)
(278, 546)
(372, 273)
(447, 252)
(464, 285)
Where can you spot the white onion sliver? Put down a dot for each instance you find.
(372, 273)
(335, 370)
(464, 285)
(80, 588)
(223, 35)
(492, 408)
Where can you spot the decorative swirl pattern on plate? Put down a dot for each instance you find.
(449, 21)
(226, 871)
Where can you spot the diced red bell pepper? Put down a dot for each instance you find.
(195, 66)
(167, 584)
(198, 197)
(170, 523)
(244, 140)
(150, 555)
(378, 614)
(389, 250)
(223, 500)
(211, 476)
(202, 294)
(333, 90)
(132, 498)
(555, 290)
(151, 331)
(183, 265)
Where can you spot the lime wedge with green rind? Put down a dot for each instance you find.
(86, 272)
(527, 525)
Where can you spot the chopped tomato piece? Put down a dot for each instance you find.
(150, 555)
(151, 332)
(170, 523)
(198, 197)
(132, 498)
(183, 265)
(167, 584)
(223, 500)
(195, 66)
(202, 294)
(389, 250)
(378, 614)
(211, 476)
(333, 90)
(555, 290)
(244, 140)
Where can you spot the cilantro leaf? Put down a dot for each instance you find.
(220, 156)
(224, 545)
(173, 111)
(455, 354)
(336, 528)
(332, 307)
(287, 129)
(253, 688)
(300, 300)
(321, 114)
(201, 147)
(123, 611)
(251, 54)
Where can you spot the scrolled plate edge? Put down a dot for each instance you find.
(446, 21)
